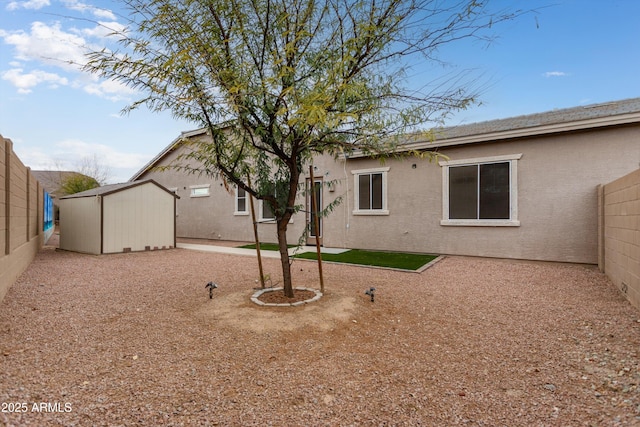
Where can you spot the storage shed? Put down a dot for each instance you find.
(133, 216)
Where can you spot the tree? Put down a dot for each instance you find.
(93, 167)
(294, 78)
(76, 182)
(91, 173)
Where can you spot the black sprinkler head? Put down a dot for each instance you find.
(370, 292)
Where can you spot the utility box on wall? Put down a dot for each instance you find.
(133, 216)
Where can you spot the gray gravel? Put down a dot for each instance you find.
(133, 339)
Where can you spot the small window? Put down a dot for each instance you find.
(371, 191)
(242, 202)
(481, 191)
(200, 190)
(266, 213)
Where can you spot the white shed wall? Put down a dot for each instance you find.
(80, 224)
(138, 218)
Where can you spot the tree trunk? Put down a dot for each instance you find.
(284, 256)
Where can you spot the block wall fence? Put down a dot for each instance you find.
(619, 234)
(21, 216)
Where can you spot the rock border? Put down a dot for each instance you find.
(256, 295)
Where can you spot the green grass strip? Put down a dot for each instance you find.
(401, 260)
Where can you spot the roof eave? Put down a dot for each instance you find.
(168, 149)
(528, 132)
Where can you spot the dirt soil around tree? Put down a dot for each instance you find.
(133, 339)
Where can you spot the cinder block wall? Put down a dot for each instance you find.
(21, 216)
(620, 234)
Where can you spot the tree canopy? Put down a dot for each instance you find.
(76, 183)
(294, 78)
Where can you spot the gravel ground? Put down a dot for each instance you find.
(133, 339)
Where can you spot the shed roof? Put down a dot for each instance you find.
(114, 188)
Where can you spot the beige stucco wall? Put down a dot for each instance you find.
(213, 217)
(137, 219)
(557, 177)
(80, 224)
(621, 208)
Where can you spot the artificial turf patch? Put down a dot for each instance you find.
(400, 260)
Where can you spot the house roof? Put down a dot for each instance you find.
(168, 149)
(556, 121)
(114, 188)
(613, 113)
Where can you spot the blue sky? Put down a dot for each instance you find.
(570, 53)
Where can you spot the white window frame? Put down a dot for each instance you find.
(513, 191)
(356, 191)
(194, 190)
(246, 203)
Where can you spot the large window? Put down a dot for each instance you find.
(370, 188)
(481, 191)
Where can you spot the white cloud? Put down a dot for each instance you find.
(104, 30)
(36, 158)
(77, 150)
(24, 82)
(48, 44)
(31, 4)
(103, 13)
(76, 5)
(110, 89)
(83, 7)
(69, 154)
(51, 45)
(555, 74)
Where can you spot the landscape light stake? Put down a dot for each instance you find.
(314, 204)
(370, 291)
(211, 287)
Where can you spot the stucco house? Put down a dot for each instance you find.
(524, 188)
